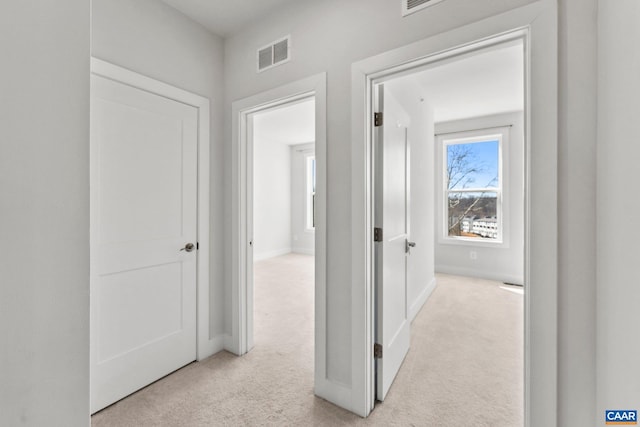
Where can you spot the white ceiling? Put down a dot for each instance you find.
(224, 17)
(490, 82)
(486, 83)
(290, 125)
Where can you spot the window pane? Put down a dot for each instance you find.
(472, 165)
(473, 215)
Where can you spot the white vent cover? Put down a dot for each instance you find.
(275, 53)
(411, 6)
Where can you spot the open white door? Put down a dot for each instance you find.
(143, 238)
(391, 222)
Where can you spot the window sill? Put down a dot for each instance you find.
(498, 244)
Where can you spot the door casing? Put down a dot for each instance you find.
(536, 24)
(205, 346)
(241, 340)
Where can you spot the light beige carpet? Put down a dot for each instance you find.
(464, 367)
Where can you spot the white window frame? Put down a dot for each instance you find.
(501, 134)
(308, 193)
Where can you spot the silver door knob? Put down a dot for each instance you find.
(188, 247)
(408, 246)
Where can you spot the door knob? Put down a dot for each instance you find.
(188, 247)
(409, 245)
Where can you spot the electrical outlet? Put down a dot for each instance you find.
(473, 255)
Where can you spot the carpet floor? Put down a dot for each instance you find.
(465, 365)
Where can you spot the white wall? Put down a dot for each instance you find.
(271, 197)
(45, 242)
(44, 232)
(498, 262)
(618, 207)
(302, 240)
(421, 262)
(329, 36)
(155, 40)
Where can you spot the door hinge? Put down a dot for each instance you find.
(377, 119)
(377, 351)
(377, 234)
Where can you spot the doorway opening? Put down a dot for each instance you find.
(281, 201)
(480, 88)
(307, 214)
(463, 223)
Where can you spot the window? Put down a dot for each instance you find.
(472, 178)
(310, 210)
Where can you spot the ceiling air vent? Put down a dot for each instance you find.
(275, 53)
(411, 6)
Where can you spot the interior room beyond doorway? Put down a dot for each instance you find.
(476, 152)
(283, 239)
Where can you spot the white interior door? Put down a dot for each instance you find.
(143, 215)
(391, 216)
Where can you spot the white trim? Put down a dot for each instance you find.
(228, 342)
(240, 340)
(214, 345)
(480, 274)
(271, 254)
(422, 298)
(537, 23)
(206, 345)
(303, 251)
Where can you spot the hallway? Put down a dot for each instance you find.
(464, 366)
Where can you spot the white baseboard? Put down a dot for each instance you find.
(271, 254)
(212, 346)
(304, 251)
(336, 393)
(470, 272)
(230, 345)
(422, 298)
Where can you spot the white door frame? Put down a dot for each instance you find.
(537, 24)
(205, 346)
(242, 288)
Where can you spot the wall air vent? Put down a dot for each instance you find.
(275, 53)
(411, 6)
